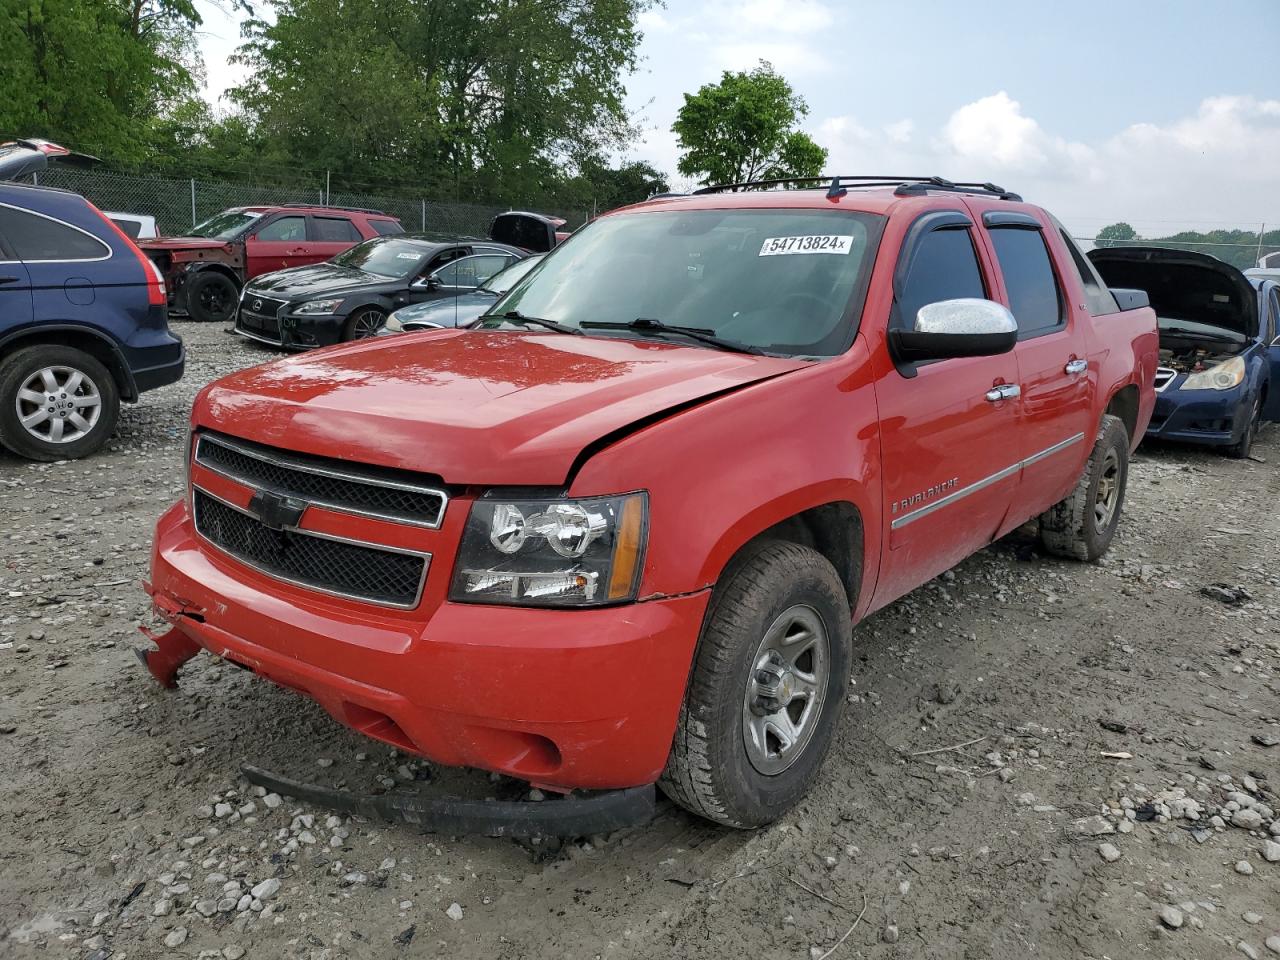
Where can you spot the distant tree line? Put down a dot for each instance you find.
(1241, 248)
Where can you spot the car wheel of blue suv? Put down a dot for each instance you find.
(56, 403)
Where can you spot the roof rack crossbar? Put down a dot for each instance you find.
(330, 206)
(837, 186)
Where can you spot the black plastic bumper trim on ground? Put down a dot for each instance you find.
(571, 816)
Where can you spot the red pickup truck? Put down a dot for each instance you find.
(619, 533)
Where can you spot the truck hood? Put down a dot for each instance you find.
(1184, 286)
(472, 406)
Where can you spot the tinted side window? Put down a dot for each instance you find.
(335, 230)
(386, 228)
(943, 267)
(1096, 294)
(286, 228)
(38, 238)
(1034, 296)
(471, 271)
(1274, 321)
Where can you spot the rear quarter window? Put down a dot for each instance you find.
(34, 238)
(1097, 297)
(386, 228)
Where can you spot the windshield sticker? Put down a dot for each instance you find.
(407, 256)
(832, 243)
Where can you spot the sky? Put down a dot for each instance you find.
(1162, 113)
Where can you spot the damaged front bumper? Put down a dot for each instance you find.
(1210, 417)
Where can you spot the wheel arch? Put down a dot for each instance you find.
(214, 266)
(1124, 406)
(93, 342)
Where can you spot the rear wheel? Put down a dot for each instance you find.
(767, 688)
(212, 297)
(1082, 526)
(1242, 448)
(365, 322)
(56, 403)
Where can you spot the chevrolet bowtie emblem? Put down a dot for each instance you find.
(276, 510)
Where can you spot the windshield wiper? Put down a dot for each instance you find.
(658, 328)
(515, 316)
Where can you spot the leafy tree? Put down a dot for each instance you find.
(745, 128)
(100, 75)
(1112, 235)
(461, 95)
(610, 187)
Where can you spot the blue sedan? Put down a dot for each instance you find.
(1219, 371)
(460, 310)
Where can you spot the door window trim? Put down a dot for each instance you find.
(1013, 220)
(257, 233)
(35, 213)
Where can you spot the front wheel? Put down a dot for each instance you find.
(1082, 526)
(767, 688)
(56, 403)
(1242, 448)
(212, 297)
(362, 324)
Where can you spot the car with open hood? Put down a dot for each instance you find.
(1219, 374)
(617, 533)
(350, 296)
(83, 324)
(462, 309)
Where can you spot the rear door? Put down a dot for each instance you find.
(1056, 428)
(15, 282)
(948, 440)
(278, 242)
(329, 236)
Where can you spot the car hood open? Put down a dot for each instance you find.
(471, 406)
(1183, 285)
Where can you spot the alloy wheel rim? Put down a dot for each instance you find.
(58, 404)
(1107, 494)
(786, 689)
(214, 300)
(365, 325)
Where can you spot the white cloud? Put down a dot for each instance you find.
(788, 57)
(1215, 167)
(652, 21)
(784, 16)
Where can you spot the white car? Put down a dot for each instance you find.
(138, 226)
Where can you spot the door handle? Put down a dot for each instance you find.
(1076, 366)
(1003, 391)
(8, 279)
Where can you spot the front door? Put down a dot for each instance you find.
(281, 242)
(1271, 330)
(948, 428)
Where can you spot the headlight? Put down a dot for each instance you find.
(318, 306)
(1222, 377)
(552, 553)
(391, 324)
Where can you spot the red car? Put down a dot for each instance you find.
(619, 533)
(206, 269)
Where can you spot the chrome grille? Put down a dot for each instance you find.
(344, 568)
(363, 490)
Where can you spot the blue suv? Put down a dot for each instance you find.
(83, 321)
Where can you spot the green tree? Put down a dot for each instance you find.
(609, 187)
(1112, 235)
(101, 75)
(492, 96)
(745, 128)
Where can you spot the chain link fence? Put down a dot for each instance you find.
(178, 205)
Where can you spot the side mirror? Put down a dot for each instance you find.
(967, 327)
(426, 283)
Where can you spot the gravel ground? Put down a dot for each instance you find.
(1039, 758)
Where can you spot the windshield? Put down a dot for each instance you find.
(503, 281)
(226, 225)
(783, 281)
(389, 257)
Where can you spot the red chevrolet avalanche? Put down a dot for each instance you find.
(619, 533)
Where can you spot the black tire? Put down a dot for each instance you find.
(710, 770)
(1076, 528)
(363, 323)
(17, 373)
(1243, 447)
(212, 297)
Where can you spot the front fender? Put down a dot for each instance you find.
(723, 471)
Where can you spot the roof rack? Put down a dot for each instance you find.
(330, 206)
(837, 186)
